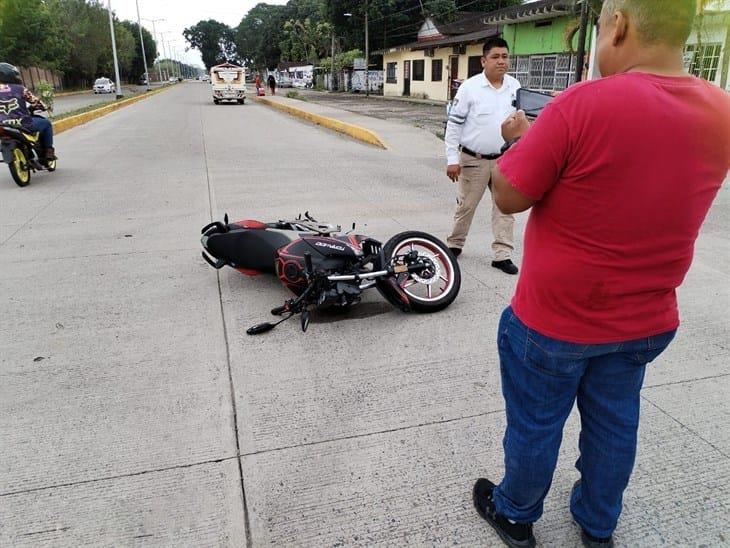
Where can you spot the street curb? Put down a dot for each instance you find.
(356, 132)
(79, 119)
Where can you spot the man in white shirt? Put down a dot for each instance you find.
(473, 143)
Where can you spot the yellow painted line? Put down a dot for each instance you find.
(360, 133)
(73, 121)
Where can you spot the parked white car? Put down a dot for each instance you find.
(103, 85)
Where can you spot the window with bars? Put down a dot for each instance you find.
(390, 73)
(544, 72)
(418, 69)
(703, 60)
(437, 70)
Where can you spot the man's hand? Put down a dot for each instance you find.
(453, 171)
(515, 126)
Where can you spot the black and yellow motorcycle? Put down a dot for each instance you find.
(22, 152)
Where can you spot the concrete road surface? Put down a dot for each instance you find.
(67, 103)
(135, 411)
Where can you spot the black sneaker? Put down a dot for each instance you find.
(588, 540)
(506, 266)
(517, 535)
(455, 250)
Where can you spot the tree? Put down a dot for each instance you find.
(214, 40)
(305, 40)
(29, 36)
(259, 34)
(150, 49)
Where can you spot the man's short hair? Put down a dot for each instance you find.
(666, 22)
(494, 43)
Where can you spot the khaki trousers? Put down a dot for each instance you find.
(473, 182)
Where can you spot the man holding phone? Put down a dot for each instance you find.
(620, 173)
(473, 142)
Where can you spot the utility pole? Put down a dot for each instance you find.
(114, 49)
(164, 52)
(332, 72)
(154, 31)
(367, 53)
(581, 53)
(141, 42)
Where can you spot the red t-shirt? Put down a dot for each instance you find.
(624, 169)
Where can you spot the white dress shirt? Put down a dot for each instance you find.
(476, 116)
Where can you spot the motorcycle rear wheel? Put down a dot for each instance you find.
(426, 293)
(20, 168)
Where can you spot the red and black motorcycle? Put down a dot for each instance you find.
(323, 267)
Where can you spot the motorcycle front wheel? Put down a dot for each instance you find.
(437, 286)
(20, 168)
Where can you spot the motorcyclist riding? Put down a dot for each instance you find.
(14, 101)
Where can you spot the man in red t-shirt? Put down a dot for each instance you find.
(620, 173)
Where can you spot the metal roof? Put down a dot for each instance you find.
(488, 32)
(534, 11)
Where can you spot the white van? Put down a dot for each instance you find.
(228, 82)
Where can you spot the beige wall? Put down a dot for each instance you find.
(438, 90)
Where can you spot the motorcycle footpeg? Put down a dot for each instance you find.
(279, 310)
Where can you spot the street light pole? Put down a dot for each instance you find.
(114, 49)
(164, 52)
(141, 42)
(154, 31)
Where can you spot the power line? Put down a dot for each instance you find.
(438, 14)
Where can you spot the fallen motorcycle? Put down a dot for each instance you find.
(323, 267)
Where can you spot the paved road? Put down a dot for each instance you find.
(134, 409)
(67, 103)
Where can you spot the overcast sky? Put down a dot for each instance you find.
(179, 15)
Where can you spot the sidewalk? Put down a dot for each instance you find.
(399, 138)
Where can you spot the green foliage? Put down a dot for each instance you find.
(214, 40)
(344, 59)
(29, 34)
(45, 91)
(305, 40)
(71, 36)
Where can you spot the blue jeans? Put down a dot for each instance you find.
(541, 379)
(44, 127)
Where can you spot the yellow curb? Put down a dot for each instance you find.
(357, 132)
(73, 121)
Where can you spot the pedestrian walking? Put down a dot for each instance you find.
(257, 83)
(272, 84)
(620, 173)
(473, 143)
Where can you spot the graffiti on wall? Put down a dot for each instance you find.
(375, 80)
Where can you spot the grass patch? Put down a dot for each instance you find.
(88, 108)
(294, 95)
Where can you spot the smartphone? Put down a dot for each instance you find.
(531, 101)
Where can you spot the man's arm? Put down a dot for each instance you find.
(532, 166)
(452, 138)
(509, 200)
(32, 100)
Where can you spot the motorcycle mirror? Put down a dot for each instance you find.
(305, 320)
(225, 219)
(260, 328)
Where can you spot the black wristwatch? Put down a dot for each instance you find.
(508, 144)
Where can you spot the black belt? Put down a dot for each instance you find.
(479, 156)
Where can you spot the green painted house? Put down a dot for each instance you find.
(537, 35)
